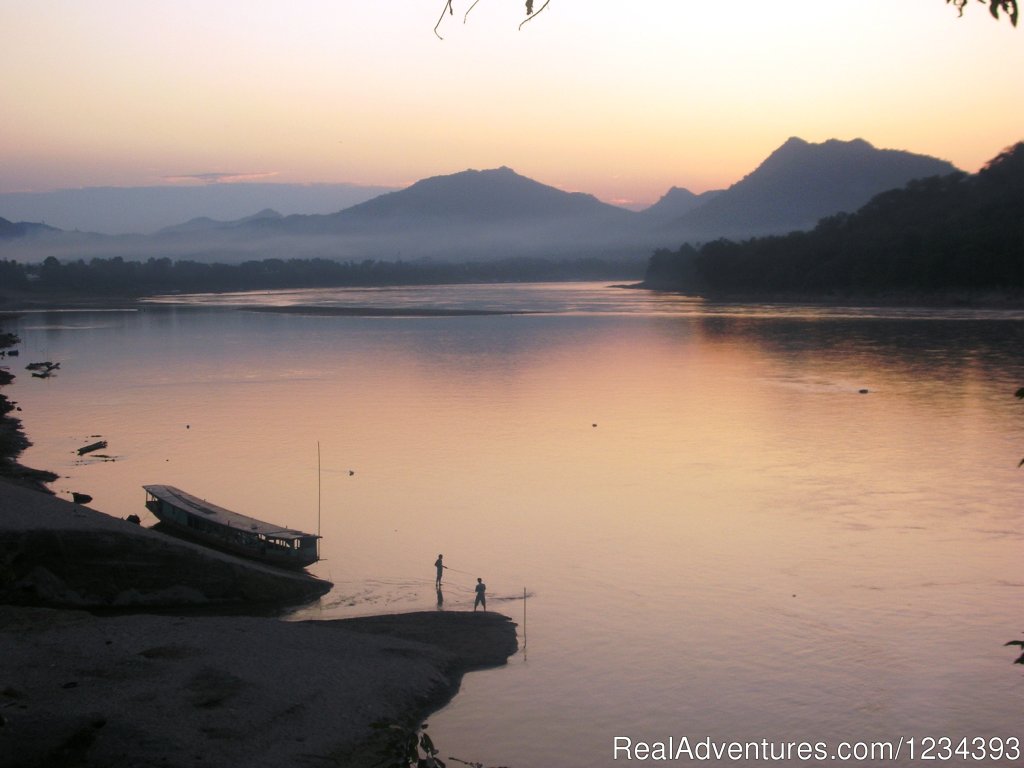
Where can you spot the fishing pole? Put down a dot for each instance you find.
(456, 570)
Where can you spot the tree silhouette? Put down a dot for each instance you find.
(955, 235)
(529, 12)
(1008, 7)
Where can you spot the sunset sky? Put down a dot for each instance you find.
(620, 99)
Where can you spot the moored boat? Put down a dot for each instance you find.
(229, 531)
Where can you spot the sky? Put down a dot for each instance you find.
(619, 99)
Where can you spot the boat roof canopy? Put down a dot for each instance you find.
(213, 513)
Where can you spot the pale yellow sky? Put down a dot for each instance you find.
(620, 99)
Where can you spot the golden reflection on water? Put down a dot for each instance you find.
(720, 532)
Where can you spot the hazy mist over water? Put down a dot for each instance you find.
(720, 534)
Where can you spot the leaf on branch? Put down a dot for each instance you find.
(1009, 7)
(530, 15)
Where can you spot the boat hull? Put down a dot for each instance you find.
(190, 518)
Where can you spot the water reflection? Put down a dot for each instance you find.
(743, 546)
(567, 299)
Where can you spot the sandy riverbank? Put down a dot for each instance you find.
(173, 691)
(142, 690)
(14, 302)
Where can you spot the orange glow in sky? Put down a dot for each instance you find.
(622, 100)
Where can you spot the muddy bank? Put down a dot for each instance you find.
(145, 690)
(55, 553)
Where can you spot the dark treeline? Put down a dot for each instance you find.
(943, 235)
(125, 277)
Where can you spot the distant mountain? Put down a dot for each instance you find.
(491, 195)
(473, 214)
(123, 210)
(954, 236)
(486, 215)
(206, 224)
(676, 203)
(799, 183)
(12, 229)
(475, 197)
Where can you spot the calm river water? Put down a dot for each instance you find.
(720, 535)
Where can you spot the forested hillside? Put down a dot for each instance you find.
(937, 235)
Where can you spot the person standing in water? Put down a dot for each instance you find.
(439, 564)
(481, 594)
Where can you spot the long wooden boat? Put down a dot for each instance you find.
(229, 531)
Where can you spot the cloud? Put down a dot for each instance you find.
(219, 178)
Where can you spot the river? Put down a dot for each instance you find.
(734, 523)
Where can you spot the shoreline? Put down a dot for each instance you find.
(13, 440)
(936, 300)
(15, 303)
(128, 648)
(239, 691)
(301, 309)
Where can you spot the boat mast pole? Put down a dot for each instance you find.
(317, 499)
